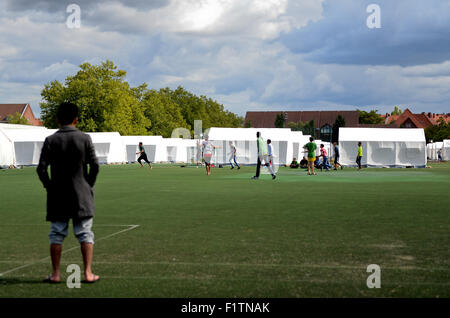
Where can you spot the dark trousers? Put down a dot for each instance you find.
(258, 167)
(143, 157)
(358, 161)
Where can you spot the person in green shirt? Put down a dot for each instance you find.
(311, 148)
(359, 156)
(262, 156)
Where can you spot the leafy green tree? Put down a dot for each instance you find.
(438, 132)
(279, 121)
(247, 124)
(164, 114)
(340, 122)
(396, 111)
(194, 107)
(18, 119)
(106, 101)
(371, 117)
(306, 128)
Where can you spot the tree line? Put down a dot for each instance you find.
(107, 102)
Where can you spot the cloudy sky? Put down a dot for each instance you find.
(246, 54)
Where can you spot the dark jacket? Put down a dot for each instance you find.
(70, 190)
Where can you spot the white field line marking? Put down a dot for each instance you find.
(131, 227)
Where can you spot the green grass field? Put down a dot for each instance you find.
(229, 236)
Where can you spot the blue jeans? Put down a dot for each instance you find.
(235, 162)
(325, 163)
(81, 228)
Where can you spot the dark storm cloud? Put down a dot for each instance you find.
(412, 32)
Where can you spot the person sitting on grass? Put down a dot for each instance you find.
(317, 163)
(304, 163)
(294, 164)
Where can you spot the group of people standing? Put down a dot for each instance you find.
(265, 154)
(312, 161)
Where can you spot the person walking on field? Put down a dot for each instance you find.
(233, 156)
(270, 151)
(262, 156)
(311, 148)
(70, 190)
(208, 148)
(359, 155)
(143, 156)
(336, 157)
(324, 155)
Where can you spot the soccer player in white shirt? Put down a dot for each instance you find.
(233, 156)
(270, 151)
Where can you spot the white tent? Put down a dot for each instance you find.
(152, 144)
(384, 147)
(176, 150)
(245, 141)
(109, 147)
(446, 150)
(21, 147)
(432, 150)
(16, 126)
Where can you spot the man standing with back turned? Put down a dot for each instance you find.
(70, 190)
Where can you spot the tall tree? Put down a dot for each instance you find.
(194, 107)
(371, 117)
(340, 122)
(164, 114)
(306, 128)
(106, 101)
(396, 111)
(438, 132)
(279, 121)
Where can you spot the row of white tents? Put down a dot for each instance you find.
(21, 145)
(436, 148)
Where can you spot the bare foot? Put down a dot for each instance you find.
(91, 278)
(52, 279)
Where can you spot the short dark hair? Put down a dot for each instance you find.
(140, 142)
(322, 145)
(66, 113)
(269, 141)
(359, 143)
(258, 134)
(311, 138)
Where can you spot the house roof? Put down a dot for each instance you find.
(422, 120)
(10, 109)
(267, 119)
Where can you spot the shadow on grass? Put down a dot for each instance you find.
(22, 281)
